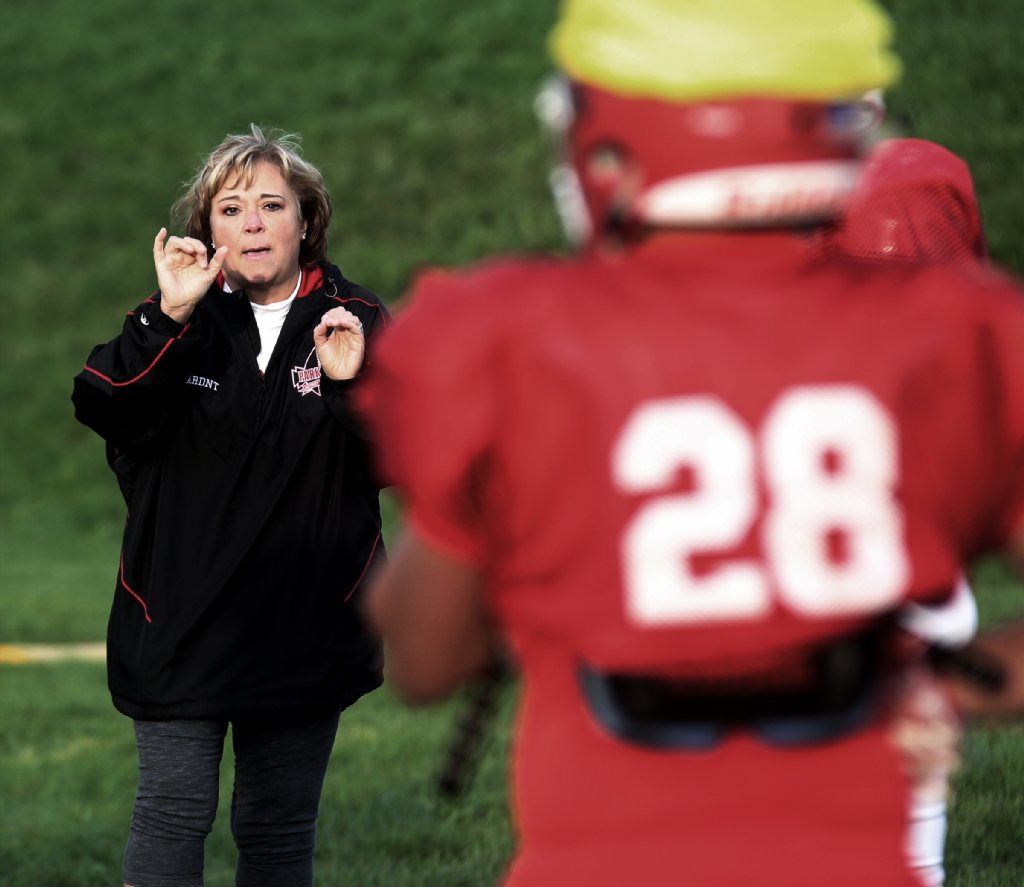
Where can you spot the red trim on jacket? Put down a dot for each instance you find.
(312, 280)
(131, 591)
(355, 299)
(366, 567)
(156, 360)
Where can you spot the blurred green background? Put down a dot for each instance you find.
(420, 116)
(416, 113)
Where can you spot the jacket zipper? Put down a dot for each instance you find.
(261, 401)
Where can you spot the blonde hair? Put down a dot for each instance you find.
(237, 157)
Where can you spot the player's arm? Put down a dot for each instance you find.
(428, 607)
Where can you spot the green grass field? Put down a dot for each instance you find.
(420, 115)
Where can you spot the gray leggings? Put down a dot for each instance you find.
(280, 765)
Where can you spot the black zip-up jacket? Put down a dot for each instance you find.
(253, 517)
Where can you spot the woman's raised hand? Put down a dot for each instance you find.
(183, 273)
(339, 343)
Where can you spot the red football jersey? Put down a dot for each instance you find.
(696, 458)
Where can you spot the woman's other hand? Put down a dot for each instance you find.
(183, 273)
(339, 343)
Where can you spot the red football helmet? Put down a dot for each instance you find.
(914, 203)
(631, 161)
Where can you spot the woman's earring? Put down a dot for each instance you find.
(303, 235)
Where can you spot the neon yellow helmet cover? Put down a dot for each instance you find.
(694, 50)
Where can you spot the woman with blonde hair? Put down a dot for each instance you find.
(253, 517)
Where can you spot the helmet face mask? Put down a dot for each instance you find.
(570, 206)
(554, 108)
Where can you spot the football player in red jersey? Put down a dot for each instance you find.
(690, 478)
(915, 203)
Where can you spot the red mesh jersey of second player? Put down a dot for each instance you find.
(915, 202)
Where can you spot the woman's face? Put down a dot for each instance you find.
(260, 224)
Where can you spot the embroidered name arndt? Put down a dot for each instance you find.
(306, 379)
(202, 382)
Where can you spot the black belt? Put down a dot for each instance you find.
(830, 692)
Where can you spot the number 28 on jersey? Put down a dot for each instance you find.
(827, 460)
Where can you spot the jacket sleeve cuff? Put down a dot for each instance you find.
(335, 387)
(338, 398)
(162, 323)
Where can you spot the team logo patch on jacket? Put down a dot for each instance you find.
(306, 379)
